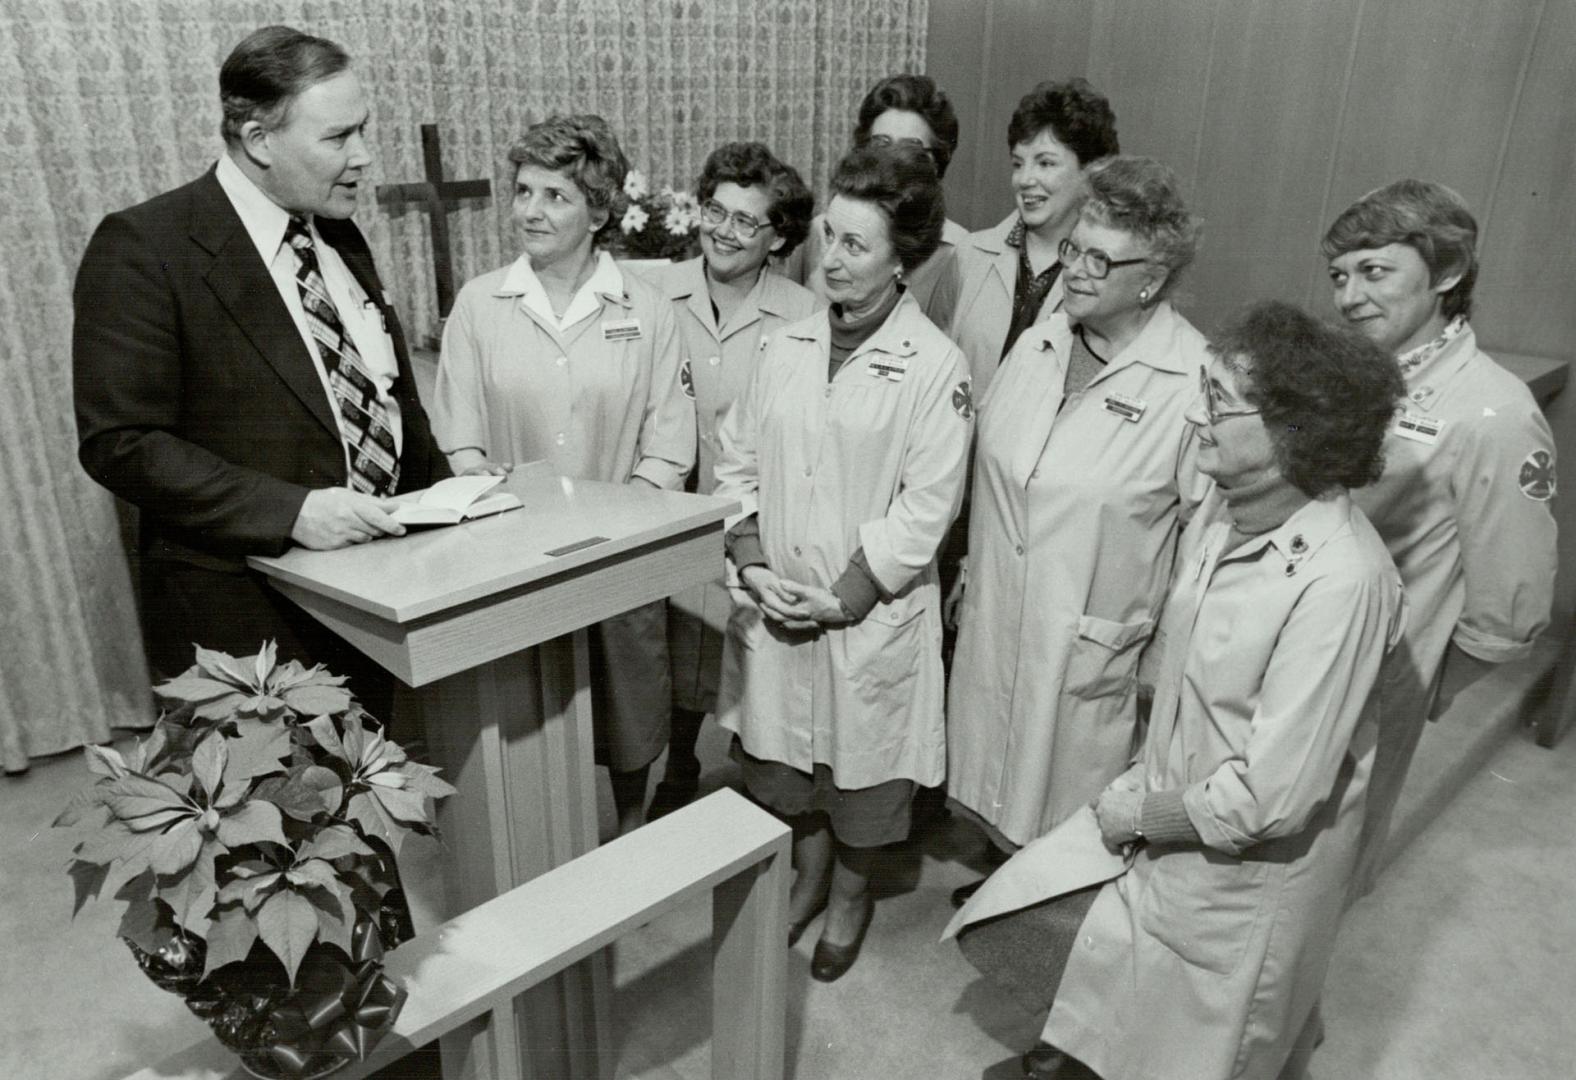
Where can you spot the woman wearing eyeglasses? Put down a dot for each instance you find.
(1083, 468)
(908, 110)
(728, 307)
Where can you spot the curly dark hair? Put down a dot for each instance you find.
(901, 181)
(1078, 115)
(585, 148)
(1429, 217)
(915, 94)
(751, 164)
(1327, 394)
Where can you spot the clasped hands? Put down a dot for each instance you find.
(1117, 810)
(791, 604)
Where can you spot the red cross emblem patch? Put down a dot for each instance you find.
(687, 379)
(1537, 476)
(963, 399)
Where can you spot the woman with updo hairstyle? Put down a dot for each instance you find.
(1226, 849)
(728, 307)
(1082, 475)
(561, 356)
(1464, 504)
(908, 110)
(1009, 276)
(847, 453)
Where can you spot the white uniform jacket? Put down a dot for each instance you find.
(873, 459)
(987, 278)
(716, 368)
(1075, 510)
(1204, 960)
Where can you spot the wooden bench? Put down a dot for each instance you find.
(473, 967)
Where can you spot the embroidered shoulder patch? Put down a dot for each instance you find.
(1537, 476)
(687, 378)
(963, 399)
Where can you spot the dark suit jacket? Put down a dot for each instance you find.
(198, 402)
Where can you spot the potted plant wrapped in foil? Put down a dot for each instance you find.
(254, 836)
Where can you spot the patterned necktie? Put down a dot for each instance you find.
(363, 419)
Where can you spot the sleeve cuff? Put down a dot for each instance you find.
(664, 474)
(744, 544)
(1163, 819)
(857, 587)
(1490, 650)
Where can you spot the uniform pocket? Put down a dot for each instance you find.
(883, 650)
(1103, 660)
(1203, 905)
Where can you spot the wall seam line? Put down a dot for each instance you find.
(1489, 203)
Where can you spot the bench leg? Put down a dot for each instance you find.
(749, 950)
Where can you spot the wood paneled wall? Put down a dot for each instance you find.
(1276, 114)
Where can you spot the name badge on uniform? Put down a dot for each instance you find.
(884, 366)
(1130, 409)
(1418, 428)
(621, 330)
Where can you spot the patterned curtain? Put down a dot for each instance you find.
(104, 103)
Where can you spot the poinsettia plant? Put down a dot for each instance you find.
(255, 827)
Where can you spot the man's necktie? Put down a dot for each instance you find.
(363, 419)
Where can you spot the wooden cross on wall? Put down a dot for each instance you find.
(439, 196)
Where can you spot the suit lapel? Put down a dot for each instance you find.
(243, 285)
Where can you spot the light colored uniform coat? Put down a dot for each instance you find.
(1204, 961)
(1074, 518)
(716, 368)
(1463, 507)
(875, 459)
(987, 278)
(599, 400)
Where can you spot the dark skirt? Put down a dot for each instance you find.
(631, 688)
(1026, 951)
(859, 817)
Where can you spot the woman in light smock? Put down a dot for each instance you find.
(1081, 476)
(1009, 276)
(561, 356)
(1469, 468)
(1240, 820)
(728, 307)
(847, 453)
(910, 110)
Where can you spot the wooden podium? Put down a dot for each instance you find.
(487, 620)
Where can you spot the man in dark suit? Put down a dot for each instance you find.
(240, 375)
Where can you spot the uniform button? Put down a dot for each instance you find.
(807, 470)
(562, 360)
(796, 550)
(560, 441)
(1019, 549)
(714, 360)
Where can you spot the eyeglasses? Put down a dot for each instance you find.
(1097, 264)
(1212, 407)
(745, 227)
(887, 140)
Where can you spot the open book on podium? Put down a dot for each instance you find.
(457, 499)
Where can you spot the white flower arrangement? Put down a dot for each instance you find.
(665, 225)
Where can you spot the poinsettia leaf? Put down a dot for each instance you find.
(252, 891)
(208, 762)
(141, 925)
(402, 805)
(105, 761)
(263, 663)
(368, 812)
(259, 749)
(176, 849)
(254, 822)
(114, 841)
(355, 739)
(312, 872)
(146, 753)
(230, 938)
(313, 699)
(335, 843)
(305, 793)
(388, 778)
(86, 881)
(327, 736)
(133, 796)
(86, 808)
(336, 917)
(194, 689)
(425, 779)
(192, 893)
(224, 667)
(287, 924)
(220, 708)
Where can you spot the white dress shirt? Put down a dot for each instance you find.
(266, 222)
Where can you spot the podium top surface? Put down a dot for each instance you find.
(431, 570)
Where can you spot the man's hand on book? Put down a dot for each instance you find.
(338, 517)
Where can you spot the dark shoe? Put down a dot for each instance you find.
(961, 894)
(831, 962)
(796, 929)
(1044, 1062)
(671, 795)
